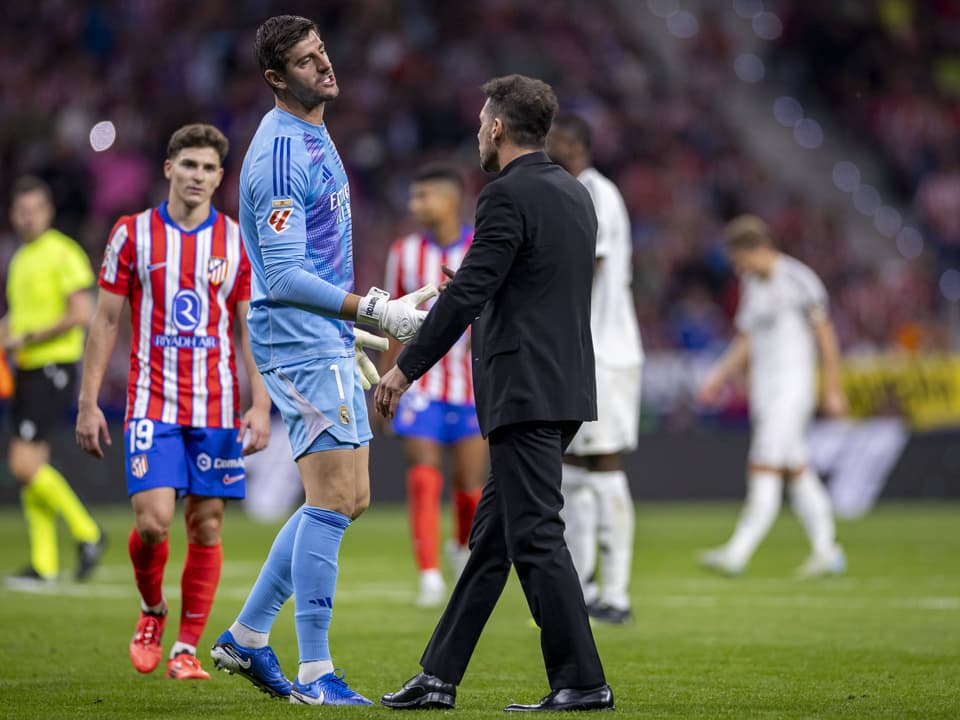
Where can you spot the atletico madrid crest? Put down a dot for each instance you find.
(217, 270)
(138, 465)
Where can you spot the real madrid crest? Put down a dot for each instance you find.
(344, 415)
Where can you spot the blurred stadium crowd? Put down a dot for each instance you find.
(410, 72)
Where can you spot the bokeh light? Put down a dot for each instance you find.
(767, 26)
(103, 135)
(808, 134)
(748, 9)
(749, 68)
(866, 199)
(663, 8)
(683, 24)
(846, 176)
(887, 220)
(950, 284)
(910, 243)
(788, 111)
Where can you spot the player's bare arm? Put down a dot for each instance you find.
(733, 363)
(257, 418)
(78, 313)
(834, 401)
(101, 339)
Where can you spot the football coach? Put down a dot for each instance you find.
(525, 285)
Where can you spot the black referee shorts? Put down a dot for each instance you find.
(41, 400)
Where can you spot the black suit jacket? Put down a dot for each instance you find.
(525, 284)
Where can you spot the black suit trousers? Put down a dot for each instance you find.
(518, 520)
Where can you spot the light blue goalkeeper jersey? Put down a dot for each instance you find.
(296, 227)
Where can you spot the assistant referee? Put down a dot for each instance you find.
(49, 303)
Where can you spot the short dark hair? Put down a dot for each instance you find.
(28, 184)
(276, 36)
(198, 135)
(439, 171)
(578, 127)
(746, 232)
(526, 106)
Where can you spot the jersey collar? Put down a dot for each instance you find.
(165, 216)
(300, 121)
(465, 232)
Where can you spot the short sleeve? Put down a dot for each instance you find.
(73, 269)
(742, 320)
(812, 295)
(608, 221)
(243, 277)
(119, 260)
(393, 281)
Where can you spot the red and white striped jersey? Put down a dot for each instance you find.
(414, 261)
(183, 289)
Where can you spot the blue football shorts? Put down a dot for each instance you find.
(322, 404)
(420, 417)
(191, 460)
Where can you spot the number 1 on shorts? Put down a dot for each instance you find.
(336, 374)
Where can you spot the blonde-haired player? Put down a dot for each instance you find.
(783, 329)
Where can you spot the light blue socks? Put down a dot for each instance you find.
(314, 571)
(274, 584)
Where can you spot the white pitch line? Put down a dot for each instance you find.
(124, 573)
(801, 601)
(400, 593)
(751, 584)
(378, 592)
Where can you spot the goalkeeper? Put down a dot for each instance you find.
(295, 218)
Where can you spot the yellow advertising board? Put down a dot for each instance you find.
(925, 390)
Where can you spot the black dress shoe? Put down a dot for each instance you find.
(600, 698)
(421, 692)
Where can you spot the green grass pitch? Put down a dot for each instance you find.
(881, 642)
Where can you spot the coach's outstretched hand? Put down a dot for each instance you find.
(398, 318)
(391, 387)
(368, 371)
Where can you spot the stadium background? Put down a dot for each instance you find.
(792, 110)
(836, 120)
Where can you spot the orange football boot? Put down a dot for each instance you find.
(146, 649)
(185, 666)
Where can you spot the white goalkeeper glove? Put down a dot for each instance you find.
(368, 371)
(398, 318)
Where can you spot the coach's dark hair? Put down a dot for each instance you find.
(276, 36)
(439, 171)
(526, 106)
(198, 135)
(578, 127)
(28, 184)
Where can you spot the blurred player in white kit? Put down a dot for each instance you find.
(783, 328)
(598, 507)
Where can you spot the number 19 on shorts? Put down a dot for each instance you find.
(141, 435)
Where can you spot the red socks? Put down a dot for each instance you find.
(424, 486)
(148, 564)
(201, 574)
(465, 505)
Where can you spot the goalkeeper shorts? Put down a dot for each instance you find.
(322, 404)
